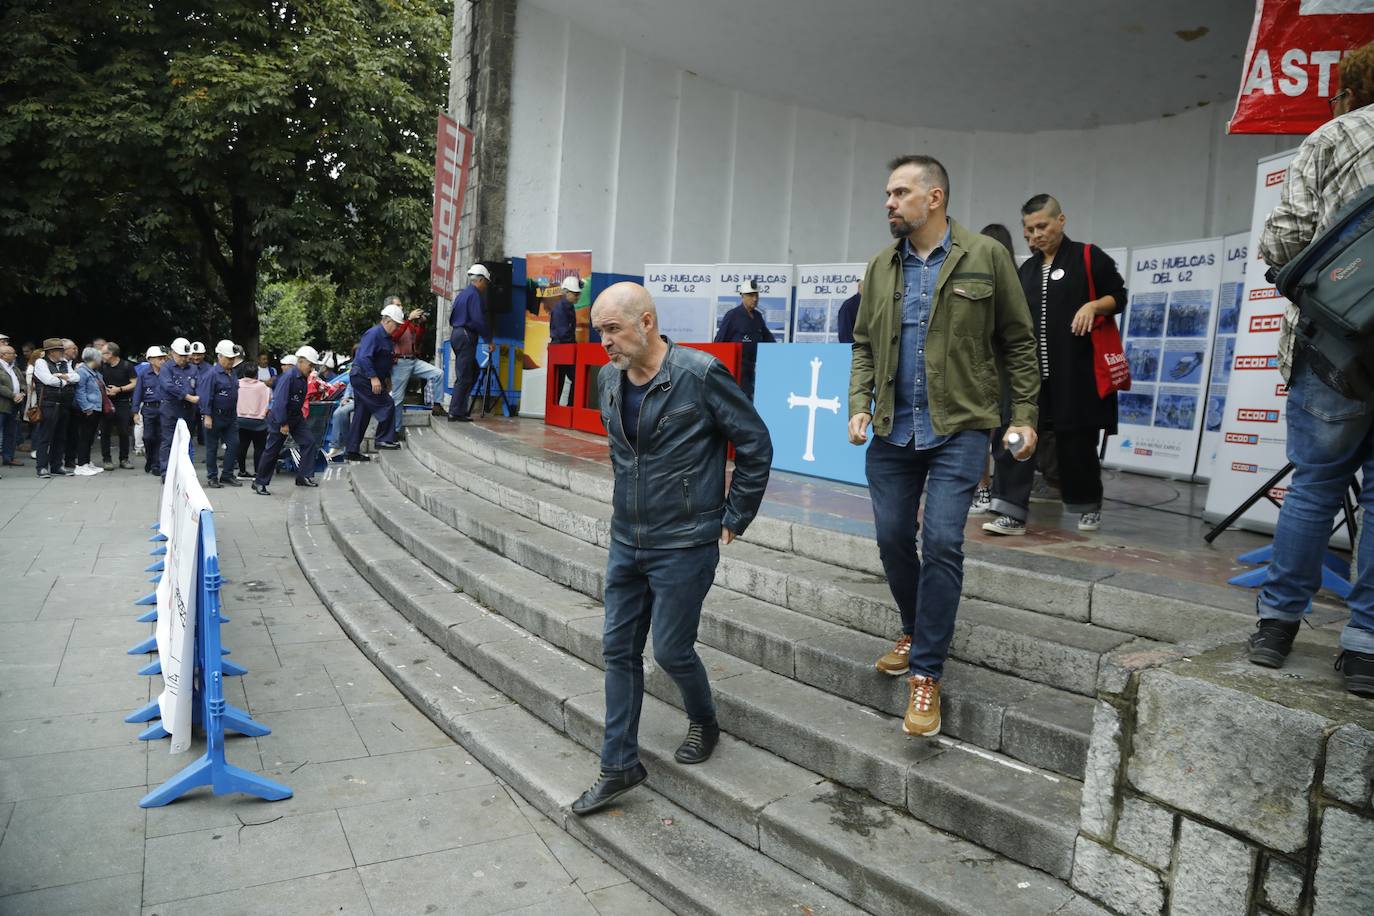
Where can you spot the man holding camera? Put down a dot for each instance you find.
(405, 342)
(1330, 436)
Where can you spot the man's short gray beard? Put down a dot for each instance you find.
(903, 229)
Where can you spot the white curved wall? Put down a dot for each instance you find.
(642, 162)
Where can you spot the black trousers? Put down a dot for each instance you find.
(305, 441)
(464, 344)
(50, 435)
(120, 423)
(86, 424)
(71, 442)
(1080, 475)
(256, 438)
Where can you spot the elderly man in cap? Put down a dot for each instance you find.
(406, 362)
(176, 390)
(218, 390)
(370, 378)
(744, 324)
(563, 330)
(148, 405)
(467, 322)
(286, 417)
(13, 391)
(55, 379)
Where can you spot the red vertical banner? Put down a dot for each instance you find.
(452, 161)
(1291, 63)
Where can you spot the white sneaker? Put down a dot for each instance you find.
(82, 470)
(94, 469)
(982, 501)
(1005, 525)
(1090, 521)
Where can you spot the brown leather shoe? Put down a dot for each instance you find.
(895, 662)
(923, 710)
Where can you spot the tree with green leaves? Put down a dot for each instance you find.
(192, 144)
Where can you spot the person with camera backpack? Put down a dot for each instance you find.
(1330, 435)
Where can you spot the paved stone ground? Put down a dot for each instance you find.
(389, 815)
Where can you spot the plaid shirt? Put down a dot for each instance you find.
(1334, 164)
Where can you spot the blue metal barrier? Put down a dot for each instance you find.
(1334, 571)
(209, 709)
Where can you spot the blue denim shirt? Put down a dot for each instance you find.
(911, 414)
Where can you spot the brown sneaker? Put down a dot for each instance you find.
(923, 711)
(895, 662)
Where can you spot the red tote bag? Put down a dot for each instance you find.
(1109, 357)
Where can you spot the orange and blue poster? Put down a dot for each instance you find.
(545, 272)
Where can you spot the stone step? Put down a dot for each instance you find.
(823, 733)
(679, 858)
(1038, 724)
(1154, 606)
(1048, 650)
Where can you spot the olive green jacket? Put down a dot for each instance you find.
(978, 321)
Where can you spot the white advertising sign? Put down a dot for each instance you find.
(775, 294)
(1234, 248)
(1253, 428)
(821, 290)
(685, 296)
(1168, 338)
(182, 502)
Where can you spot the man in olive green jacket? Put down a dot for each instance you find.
(942, 309)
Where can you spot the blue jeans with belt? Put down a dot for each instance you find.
(927, 587)
(1330, 437)
(402, 371)
(662, 590)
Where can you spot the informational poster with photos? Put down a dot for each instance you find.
(685, 297)
(1235, 248)
(775, 294)
(1168, 328)
(821, 290)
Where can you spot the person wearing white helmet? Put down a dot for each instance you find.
(370, 376)
(744, 324)
(563, 329)
(218, 390)
(176, 389)
(148, 406)
(467, 323)
(286, 417)
(406, 362)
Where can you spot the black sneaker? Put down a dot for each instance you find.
(1272, 641)
(260, 489)
(213, 483)
(357, 456)
(306, 482)
(608, 788)
(1358, 668)
(701, 740)
(230, 481)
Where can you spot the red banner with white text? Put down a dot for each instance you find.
(1291, 62)
(452, 160)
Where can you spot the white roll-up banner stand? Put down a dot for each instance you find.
(684, 295)
(182, 502)
(1167, 332)
(821, 290)
(1253, 429)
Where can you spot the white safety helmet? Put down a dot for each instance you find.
(154, 351)
(197, 347)
(310, 353)
(289, 359)
(748, 286)
(477, 270)
(572, 284)
(182, 347)
(394, 312)
(223, 348)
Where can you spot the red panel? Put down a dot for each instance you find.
(590, 355)
(556, 414)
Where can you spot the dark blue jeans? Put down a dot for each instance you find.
(925, 587)
(223, 431)
(9, 432)
(367, 405)
(662, 588)
(305, 441)
(1329, 438)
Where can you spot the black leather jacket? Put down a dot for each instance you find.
(671, 492)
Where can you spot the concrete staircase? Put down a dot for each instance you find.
(469, 557)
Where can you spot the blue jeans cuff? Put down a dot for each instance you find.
(1357, 639)
(1270, 613)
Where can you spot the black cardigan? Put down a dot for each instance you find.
(1068, 398)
